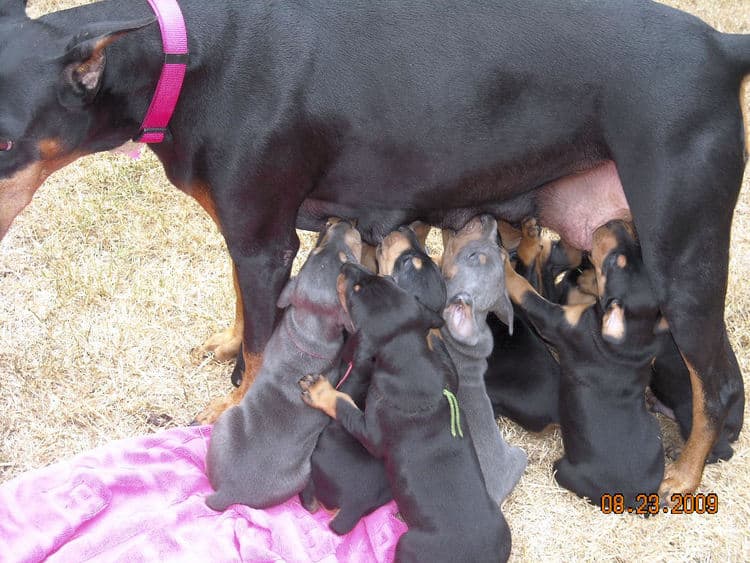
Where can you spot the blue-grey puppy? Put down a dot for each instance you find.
(472, 266)
(259, 454)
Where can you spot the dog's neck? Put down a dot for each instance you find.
(314, 333)
(470, 361)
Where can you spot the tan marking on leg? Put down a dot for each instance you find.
(578, 297)
(573, 313)
(224, 345)
(368, 259)
(216, 407)
(516, 285)
(684, 475)
(321, 395)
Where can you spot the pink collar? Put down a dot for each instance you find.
(174, 40)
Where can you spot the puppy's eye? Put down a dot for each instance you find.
(5, 145)
(357, 288)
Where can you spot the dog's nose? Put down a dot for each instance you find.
(461, 299)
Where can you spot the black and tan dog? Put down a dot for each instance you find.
(612, 443)
(344, 474)
(523, 377)
(259, 453)
(336, 108)
(413, 421)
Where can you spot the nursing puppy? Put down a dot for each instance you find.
(344, 475)
(473, 269)
(412, 420)
(259, 453)
(612, 443)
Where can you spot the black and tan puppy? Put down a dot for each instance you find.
(344, 475)
(259, 454)
(522, 377)
(612, 443)
(412, 420)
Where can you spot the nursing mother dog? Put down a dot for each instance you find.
(293, 112)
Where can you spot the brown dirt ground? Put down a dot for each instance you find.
(112, 275)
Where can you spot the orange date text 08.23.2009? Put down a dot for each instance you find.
(698, 503)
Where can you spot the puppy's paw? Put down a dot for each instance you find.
(317, 392)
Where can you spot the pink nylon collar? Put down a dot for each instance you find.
(175, 46)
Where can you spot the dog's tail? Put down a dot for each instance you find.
(736, 47)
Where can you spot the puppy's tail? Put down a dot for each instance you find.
(736, 48)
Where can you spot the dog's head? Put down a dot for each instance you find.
(49, 82)
(379, 309)
(402, 257)
(473, 267)
(624, 289)
(314, 287)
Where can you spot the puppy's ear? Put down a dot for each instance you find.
(613, 324)
(287, 294)
(432, 319)
(12, 8)
(85, 59)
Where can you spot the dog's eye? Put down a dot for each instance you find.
(357, 288)
(5, 145)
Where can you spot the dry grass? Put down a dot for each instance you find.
(112, 275)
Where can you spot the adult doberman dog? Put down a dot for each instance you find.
(294, 112)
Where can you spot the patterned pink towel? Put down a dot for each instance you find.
(142, 499)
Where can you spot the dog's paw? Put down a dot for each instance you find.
(679, 479)
(317, 392)
(220, 347)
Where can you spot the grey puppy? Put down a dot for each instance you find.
(473, 268)
(259, 454)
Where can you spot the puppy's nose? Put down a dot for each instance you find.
(461, 299)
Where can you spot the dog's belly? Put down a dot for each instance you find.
(574, 206)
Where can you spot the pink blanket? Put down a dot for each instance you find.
(142, 499)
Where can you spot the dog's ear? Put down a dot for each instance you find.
(431, 318)
(613, 324)
(84, 59)
(287, 294)
(12, 8)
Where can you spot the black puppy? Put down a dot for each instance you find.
(522, 377)
(612, 443)
(344, 475)
(412, 420)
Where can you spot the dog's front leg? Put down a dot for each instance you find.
(318, 393)
(263, 245)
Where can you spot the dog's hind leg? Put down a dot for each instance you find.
(682, 186)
